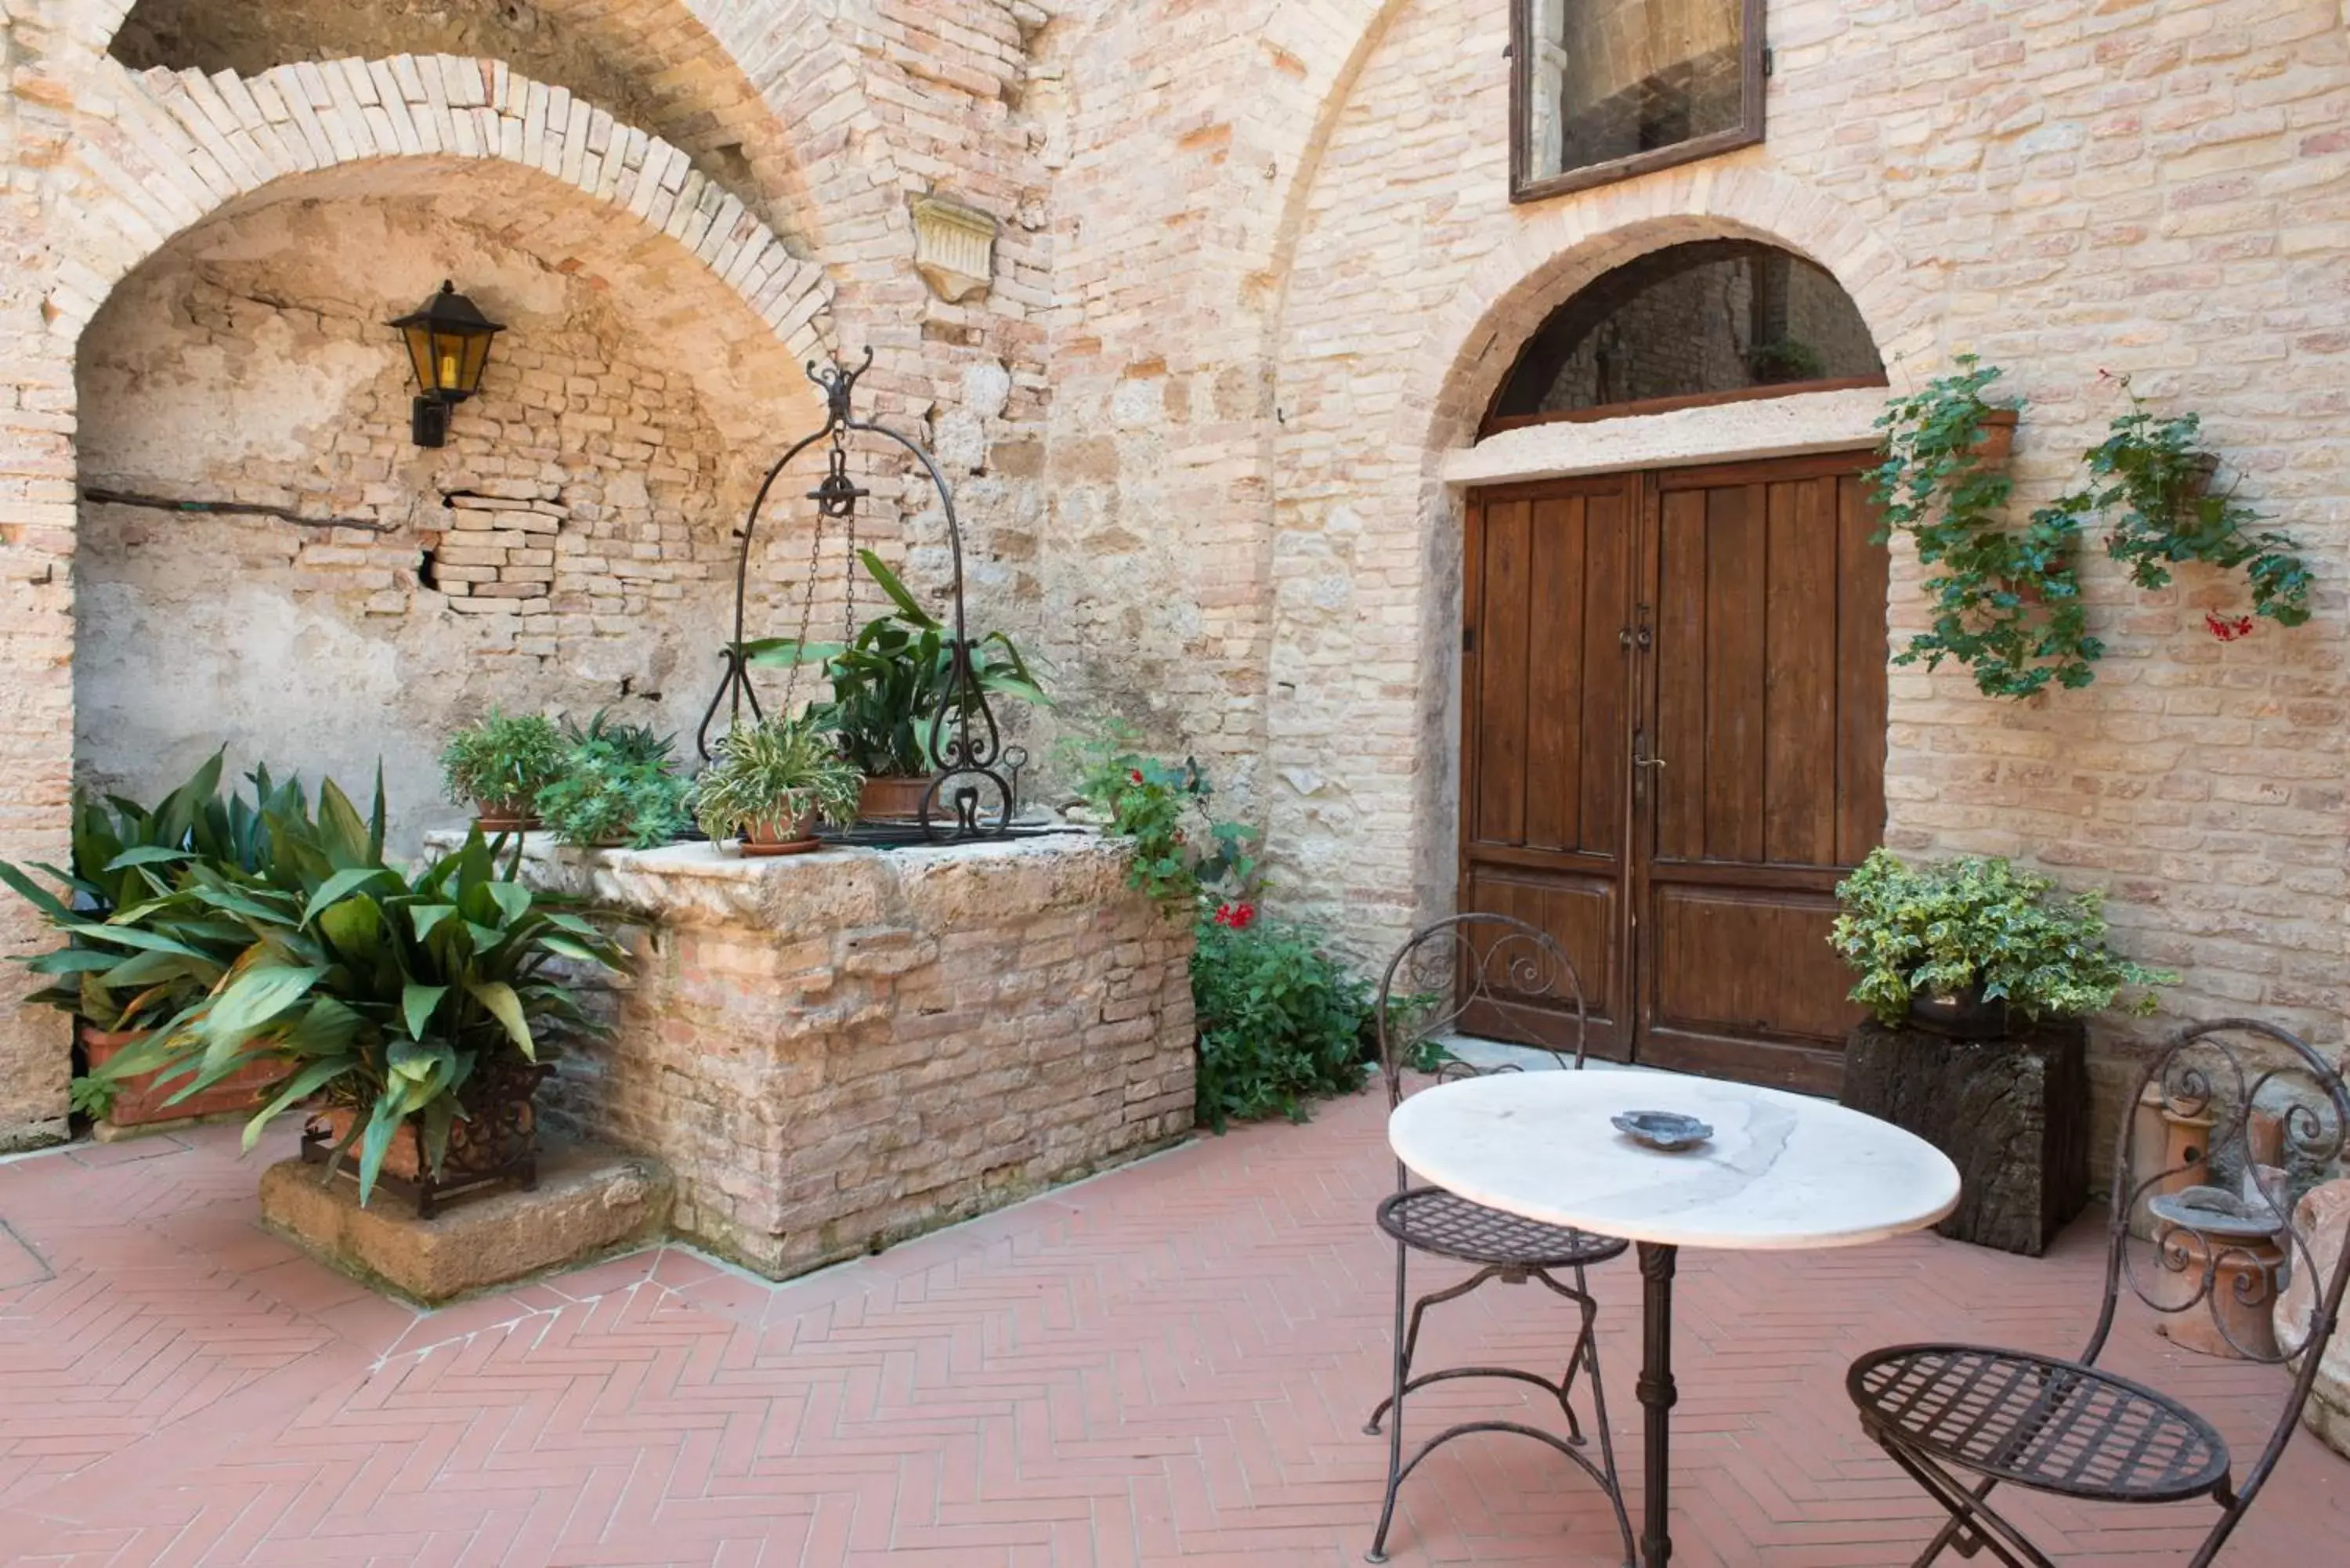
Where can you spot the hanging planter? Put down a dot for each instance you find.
(2006, 602)
(2157, 486)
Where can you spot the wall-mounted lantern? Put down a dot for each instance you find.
(449, 344)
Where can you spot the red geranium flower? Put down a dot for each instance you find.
(1135, 775)
(1235, 916)
(2228, 630)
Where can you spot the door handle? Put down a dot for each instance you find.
(1647, 762)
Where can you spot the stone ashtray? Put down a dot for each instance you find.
(1668, 1130)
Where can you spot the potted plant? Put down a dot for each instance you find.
(1978, 976)
(771, 782)
(499, 764)
(415, 1007)
(616, 790)
(130, 957)
(888, 685)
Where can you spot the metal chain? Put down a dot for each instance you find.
(807, 608)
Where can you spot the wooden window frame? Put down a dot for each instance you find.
(1524, 187)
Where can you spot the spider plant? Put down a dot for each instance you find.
(773, 776)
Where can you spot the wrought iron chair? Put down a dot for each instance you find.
(1962, 1419)
(1504, 980)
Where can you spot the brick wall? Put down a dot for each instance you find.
(837, 1051)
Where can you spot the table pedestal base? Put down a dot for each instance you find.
(1657, 1394)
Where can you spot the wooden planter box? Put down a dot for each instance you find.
(142, 1102)
(2012, 1114)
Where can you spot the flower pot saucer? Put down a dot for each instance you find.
(1668, 1132)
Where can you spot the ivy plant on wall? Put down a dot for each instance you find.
(2006, 601)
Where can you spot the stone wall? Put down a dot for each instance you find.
(569, 549)
(836, 1051)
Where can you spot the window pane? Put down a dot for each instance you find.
(1691, 320)
(1610, 79)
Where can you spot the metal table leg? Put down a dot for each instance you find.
(1657, 1394)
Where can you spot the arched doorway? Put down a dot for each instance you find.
(1674, 680)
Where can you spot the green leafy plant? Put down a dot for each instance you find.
(777, 773)
(1281, 1022)
(2006, 601)
(1180, 852)
(895, 675)
(109, 906)
(2156, 477)
(1950, 927)
(501, 762)
(628, 742)
(611, 792)
(398, 995)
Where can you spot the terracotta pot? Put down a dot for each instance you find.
(495, 817)
(142, 1101)
(893, 799)
(772, 836)
(1998, 440)
(1965, 1016)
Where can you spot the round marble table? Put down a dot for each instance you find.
(1781, 1172)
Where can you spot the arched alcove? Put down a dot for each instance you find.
(1702, 321)
(265, 559)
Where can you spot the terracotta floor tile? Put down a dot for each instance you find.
(1170, 1364)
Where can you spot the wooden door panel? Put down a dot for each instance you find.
(1545, 696)
(1862, 570)
(1767, 695)
(1785, 1017)
(1500, 709)
(1584, 916)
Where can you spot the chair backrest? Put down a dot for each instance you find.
(2239, 1106)
(1493, 976)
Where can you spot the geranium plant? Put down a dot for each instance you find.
(1978, 926)
(2156, 484)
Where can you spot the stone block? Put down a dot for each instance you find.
(589, 1200)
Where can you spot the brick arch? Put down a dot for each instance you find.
(770, 74)
(1468, 346)
(685, 257)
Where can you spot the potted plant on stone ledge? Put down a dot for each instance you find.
(413, 1009)
(1980, 977)
(616, 789)
(771, 782)
(498, 764)
(888, 684)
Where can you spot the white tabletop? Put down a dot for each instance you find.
(1782, 1171)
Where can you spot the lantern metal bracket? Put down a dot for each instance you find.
(973, 789)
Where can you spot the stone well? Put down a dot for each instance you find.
(836, 1051)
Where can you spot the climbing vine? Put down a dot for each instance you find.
(2006, 601)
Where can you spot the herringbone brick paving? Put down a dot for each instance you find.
(1170, 1364)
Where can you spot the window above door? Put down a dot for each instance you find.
(1605, 90)
(1709, 321)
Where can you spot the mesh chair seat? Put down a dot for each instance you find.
(2050, 1424)
(1430, 1219)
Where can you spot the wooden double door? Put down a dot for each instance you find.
(1673, 706)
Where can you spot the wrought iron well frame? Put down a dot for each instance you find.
(956, 747)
